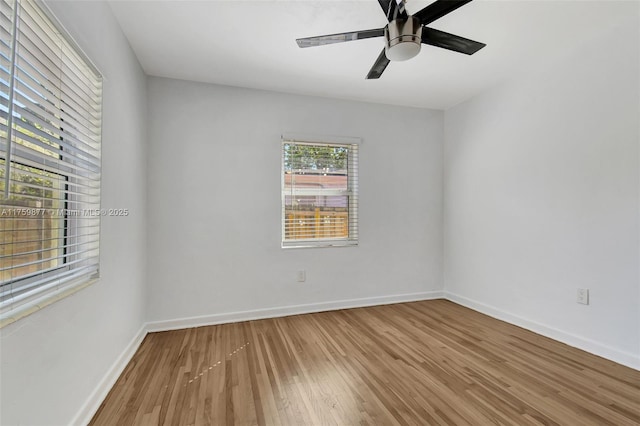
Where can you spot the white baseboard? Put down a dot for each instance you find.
(612, 354)
(288, 310)
(96, 398)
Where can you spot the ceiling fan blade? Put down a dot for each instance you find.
(339, 38)
(438, 9)
(393, 9)
(378, 67)
(450, 41)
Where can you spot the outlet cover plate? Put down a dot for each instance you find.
(583, 296)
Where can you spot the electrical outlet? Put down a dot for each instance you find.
(301, 276)
(583, 296)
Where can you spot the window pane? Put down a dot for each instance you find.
(316, 217)
(31, 222)
(314, 157)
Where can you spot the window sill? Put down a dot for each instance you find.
(325, 244)
(38, 304)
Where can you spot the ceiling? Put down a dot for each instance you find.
(252, 44)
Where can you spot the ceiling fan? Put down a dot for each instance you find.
(404, 34)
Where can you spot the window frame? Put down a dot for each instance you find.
(353, 146)
(77, 268)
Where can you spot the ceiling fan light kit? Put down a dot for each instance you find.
(404, 34)
(403, 39)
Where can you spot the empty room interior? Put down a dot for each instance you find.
(371, 212)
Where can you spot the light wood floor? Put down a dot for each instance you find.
(422, 363)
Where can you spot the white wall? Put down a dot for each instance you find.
(214, 203)
(54, 359)
(541, 197)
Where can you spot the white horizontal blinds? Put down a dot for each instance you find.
(50, 125)
(319, 194)
(352, 178)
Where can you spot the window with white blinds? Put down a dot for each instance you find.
(319, 194)
(50, 127)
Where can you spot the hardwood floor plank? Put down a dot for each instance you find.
(421, 363)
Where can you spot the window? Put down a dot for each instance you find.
(50, 121)
(319, 194)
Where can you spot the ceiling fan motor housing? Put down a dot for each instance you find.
(403, 38)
